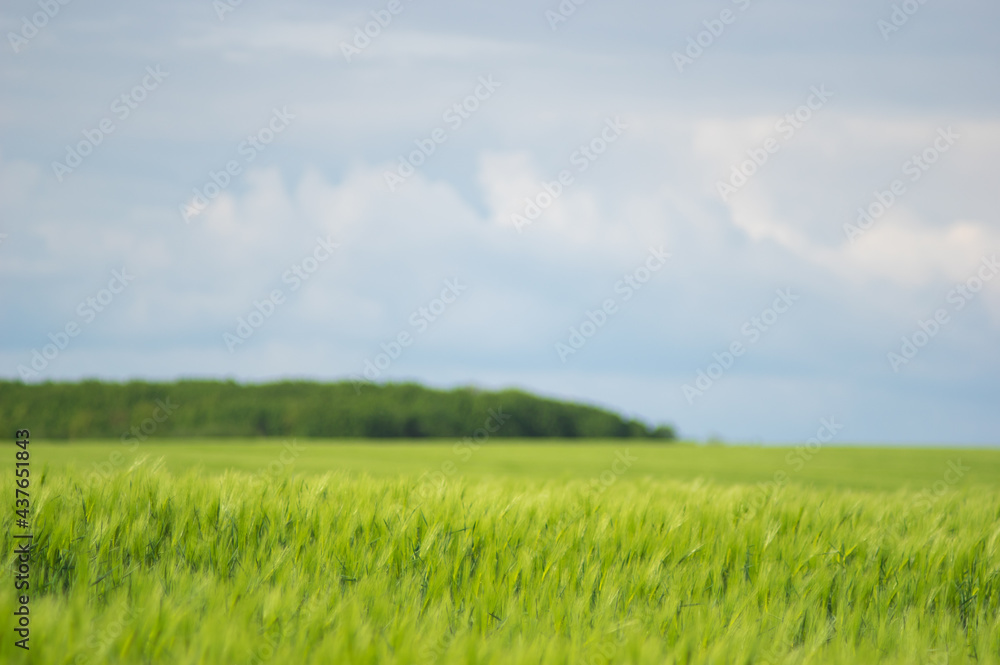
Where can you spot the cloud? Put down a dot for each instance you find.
(656, 186)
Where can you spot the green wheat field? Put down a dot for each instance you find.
(212, 551)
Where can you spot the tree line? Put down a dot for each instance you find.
(100, 409)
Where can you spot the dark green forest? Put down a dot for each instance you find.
(97, 409)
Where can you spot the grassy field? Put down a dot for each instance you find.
(863, 468)
(238, 552)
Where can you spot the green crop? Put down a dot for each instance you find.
(144, 566)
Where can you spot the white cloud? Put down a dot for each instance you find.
(452, 218)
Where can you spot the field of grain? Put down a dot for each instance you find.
(216, 552)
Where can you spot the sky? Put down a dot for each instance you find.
(747, 219)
